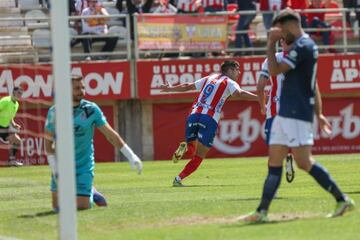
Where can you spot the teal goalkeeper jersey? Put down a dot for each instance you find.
(87, 116)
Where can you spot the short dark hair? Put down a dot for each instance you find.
(286, 15)
(18, 88)
(229, 64)
(75, 77)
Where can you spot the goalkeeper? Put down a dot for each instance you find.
(87, 115)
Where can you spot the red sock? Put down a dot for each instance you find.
(190, 150)
(192, 165)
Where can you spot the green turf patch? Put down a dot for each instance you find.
(148, 207)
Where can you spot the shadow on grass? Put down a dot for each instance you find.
(195, 186)
(40, 214)
(353, 192)
(275, 219)
(242, 224)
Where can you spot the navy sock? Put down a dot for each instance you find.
(13, 151)
(271, 185)
(324, 179)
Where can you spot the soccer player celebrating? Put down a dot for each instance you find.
(87, 115)
(9, 106)
(203, 120)
(292, 127)
(273, 101)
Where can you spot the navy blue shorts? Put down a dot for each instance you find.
(267, 130)
(201, 127)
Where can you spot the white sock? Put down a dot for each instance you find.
(128, 153)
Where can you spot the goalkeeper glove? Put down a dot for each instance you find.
(52, 164)
(134, 160)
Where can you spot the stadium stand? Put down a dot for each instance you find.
(15, 41)
(28, 16)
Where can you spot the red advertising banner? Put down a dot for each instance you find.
(240, 131)
(31, 151)
(182, 32)
(109, 80)
(339, 73)
(336, 74)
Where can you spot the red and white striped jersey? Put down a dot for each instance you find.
(273, 103)
(215, 89)
(186, 5)
(209, 3)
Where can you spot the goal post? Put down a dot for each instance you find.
(64, 121)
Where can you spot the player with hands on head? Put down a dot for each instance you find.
(292, 127)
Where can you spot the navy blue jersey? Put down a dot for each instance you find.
(298, 92)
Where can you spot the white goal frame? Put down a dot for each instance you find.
(64, 121)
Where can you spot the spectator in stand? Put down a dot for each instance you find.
(165, 7)
(244, 24)
(188, 6)
(80, 5)
(299, 5)
(134, 6)
(96, 26)
(357, 12)
(214, 5)
(271, 5)
(317, 20)
(71, 7)
(331, 4)
(349, 4)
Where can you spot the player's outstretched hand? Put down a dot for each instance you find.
(136, 164)
(324, 124)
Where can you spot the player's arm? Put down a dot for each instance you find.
(15, 125)
(260, 88)
(274, 67)
(178, 88)
(323, 122)
(114, 138)
(245, 95)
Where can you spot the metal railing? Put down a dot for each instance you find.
(43, 52)
(260, 48)
(128, 49)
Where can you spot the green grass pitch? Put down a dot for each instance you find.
(148, 207)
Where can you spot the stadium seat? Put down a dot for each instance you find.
(29, 4)
(41, 38)
(10, 13)
(121, 32)
(7, 4)
(32, 23)
(114, 21)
